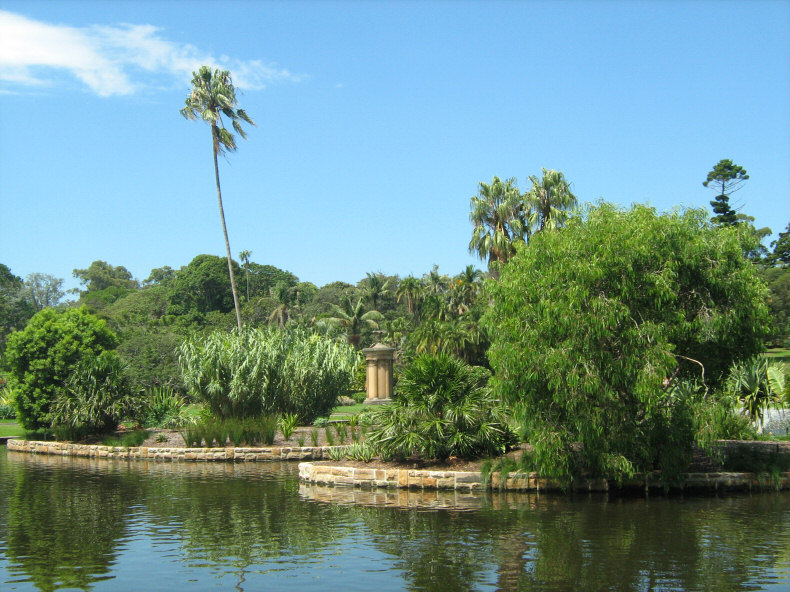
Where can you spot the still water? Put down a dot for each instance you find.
(116, 525)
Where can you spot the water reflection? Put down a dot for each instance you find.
(93, 524)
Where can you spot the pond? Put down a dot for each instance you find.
(117, 525)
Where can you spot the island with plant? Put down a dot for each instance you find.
(601, 342)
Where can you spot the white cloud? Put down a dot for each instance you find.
(110, 59)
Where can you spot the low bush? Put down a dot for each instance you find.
(129, 439)
(165, 408)
(442, 408)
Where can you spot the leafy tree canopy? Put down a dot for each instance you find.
(101, 275)
(587, 324)
(15, 308)
(41, 357)
(203, 285)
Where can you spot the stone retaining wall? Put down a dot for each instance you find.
(326, 474)
(170, 454)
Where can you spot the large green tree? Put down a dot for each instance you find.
(40, 358)
(725, 178)
(213, 96)
(593, 327)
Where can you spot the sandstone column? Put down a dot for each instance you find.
(379, 373)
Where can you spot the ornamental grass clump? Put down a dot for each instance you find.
(267, 371)
(443, 408)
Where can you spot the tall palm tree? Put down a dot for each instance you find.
(549, 201)
(409, 288)
(497, 212)
(245, 258)
(211, 97)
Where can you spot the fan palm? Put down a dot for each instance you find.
(549, 201)
(352, 317)
(497, 212)
(211, 97)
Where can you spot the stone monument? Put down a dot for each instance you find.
(379, 373)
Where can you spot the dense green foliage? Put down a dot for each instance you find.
(592, 325)
(15, 309)
(97, 395)
(267, 371)
(442, 408)
(40, 358)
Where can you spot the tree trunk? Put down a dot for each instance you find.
(227, 242)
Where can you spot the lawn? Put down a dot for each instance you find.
(11, 428)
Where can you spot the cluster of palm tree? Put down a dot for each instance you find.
(503, 216)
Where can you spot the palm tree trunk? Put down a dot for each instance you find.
(227, 242)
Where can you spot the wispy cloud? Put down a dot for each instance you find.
(109, 60)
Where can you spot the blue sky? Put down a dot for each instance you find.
(375, 123)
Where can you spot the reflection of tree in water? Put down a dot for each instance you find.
(444, 550)
(638, 544)
(557, 543)
(241, 516)
(63, 527)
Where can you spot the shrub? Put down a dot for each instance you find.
(165, 408)
(97, 395)
(287, 424)
(442, 408)
(267, 371)
(41, 357)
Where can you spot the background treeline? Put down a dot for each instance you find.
(152, 317)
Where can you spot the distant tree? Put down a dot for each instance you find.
(211, 97)
(497, 212)
(352, 317)
(587, 324)
(160, 275)
(244, 256)
(263, 278)
(202, 286)
(410, 289)
(284, 295)
(15, 307)
(101, 275)
(374, 287)
(778, 281)
(725, 178)
(781, 246)
(41, 357)
(549, 201)
(43, 290)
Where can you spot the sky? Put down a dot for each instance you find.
(376, 121)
